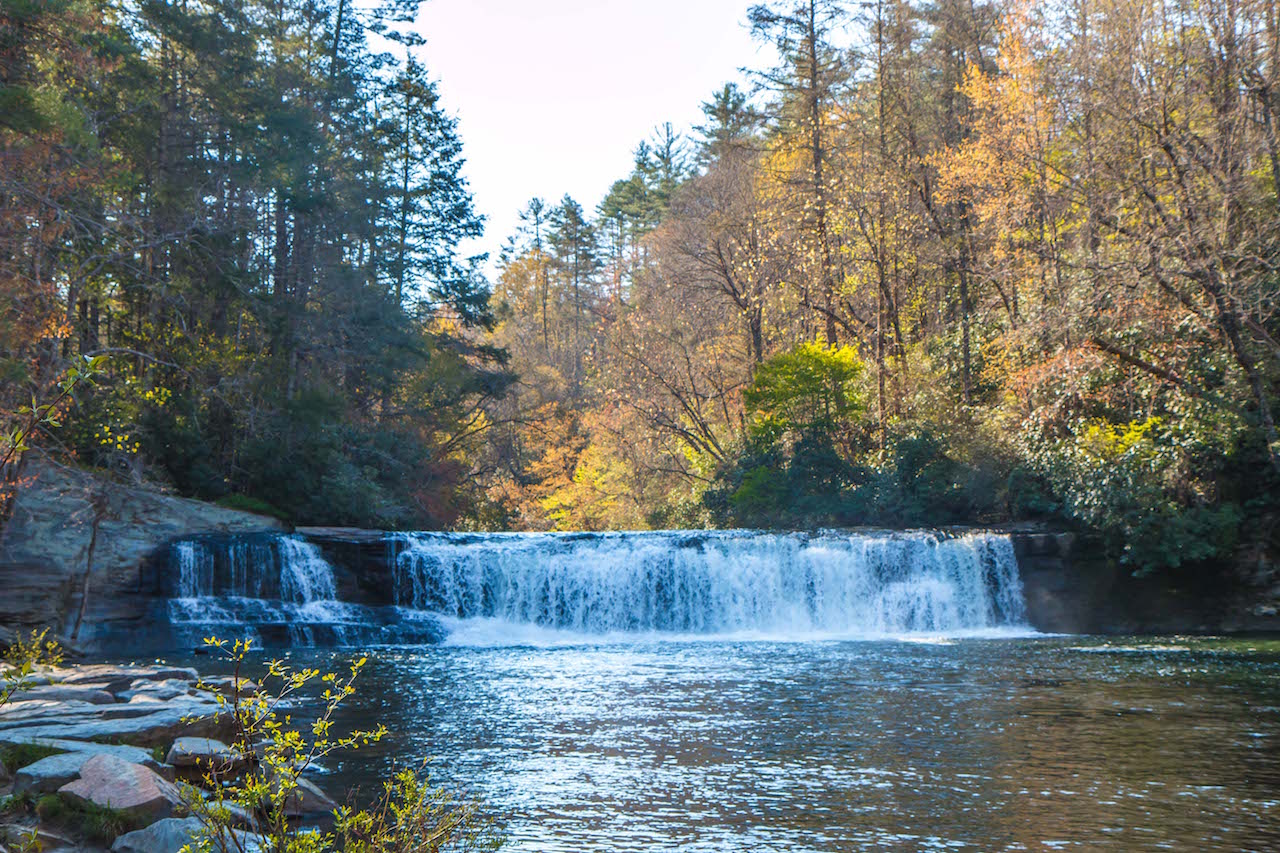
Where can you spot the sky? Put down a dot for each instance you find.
(552, 96)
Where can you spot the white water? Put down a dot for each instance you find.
(233, 587)
(539, 589)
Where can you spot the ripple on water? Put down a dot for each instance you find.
(969, 744)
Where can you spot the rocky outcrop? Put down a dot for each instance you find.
(77, 554)
(50, 774)
(122, 775)
(1071, 588)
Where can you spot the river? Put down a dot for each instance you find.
(1029, 743)
(757, 692)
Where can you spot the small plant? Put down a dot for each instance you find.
(19, 755)
(24, 656)
(410, 816)
(93, 822)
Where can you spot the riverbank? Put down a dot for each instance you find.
(109, 757)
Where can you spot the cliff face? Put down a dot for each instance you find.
(77, 553)
(1071, 590)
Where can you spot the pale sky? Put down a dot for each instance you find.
(552, 96)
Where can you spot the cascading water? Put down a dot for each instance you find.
(275, 590)
(717, 583)
(280, 590)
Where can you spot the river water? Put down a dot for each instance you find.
(927, 743)
(740, 691)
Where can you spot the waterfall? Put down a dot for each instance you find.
(275, 590)
(282, 590)
(717, 583)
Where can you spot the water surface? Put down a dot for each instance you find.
(1028, 743)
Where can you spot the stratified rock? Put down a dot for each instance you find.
(204, 754)
(161, 691)
(114, 783)
(44, 556)
(66, 693)
(51, 773)
(151, 727)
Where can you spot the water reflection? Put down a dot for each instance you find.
(976, 745)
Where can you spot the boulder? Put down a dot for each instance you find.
(49, 774)
(204, 754)
(307, 800)
(163, 836)
(172, 834)
(112, 782)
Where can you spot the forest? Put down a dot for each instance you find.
(948, 262)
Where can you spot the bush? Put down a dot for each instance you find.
(409, 817)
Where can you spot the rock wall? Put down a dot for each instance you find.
(1071, 589)
(77, 553)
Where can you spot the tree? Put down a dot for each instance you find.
(806, 84)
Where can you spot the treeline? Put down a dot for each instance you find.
(947, 262)
(254, 209)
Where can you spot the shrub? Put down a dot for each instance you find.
(409, 817)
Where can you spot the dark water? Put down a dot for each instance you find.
(1005, 744)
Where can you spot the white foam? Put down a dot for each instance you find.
(723, 585)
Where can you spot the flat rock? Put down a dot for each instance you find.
(204, 754)
(49, 774)
(169, 688)
(155, 727)
(112, 782)
(123, 676)
(21, 837)
(172, 834)
(67, 692)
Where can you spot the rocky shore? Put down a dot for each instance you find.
(103, 757)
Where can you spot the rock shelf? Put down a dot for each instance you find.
(115, 737)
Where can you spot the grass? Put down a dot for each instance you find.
(91, 822)
(18, 755)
